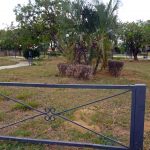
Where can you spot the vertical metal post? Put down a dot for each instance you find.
(137, 117)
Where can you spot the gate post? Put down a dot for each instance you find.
(137, 117)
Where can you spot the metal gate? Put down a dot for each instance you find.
(137, 115)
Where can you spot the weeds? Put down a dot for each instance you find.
(18, 106)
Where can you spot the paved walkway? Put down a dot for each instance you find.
(129, 57)
(20, 64)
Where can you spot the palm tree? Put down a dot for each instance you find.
(107, 25)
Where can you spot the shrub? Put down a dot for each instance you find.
(70, 71)
(35, 53)
(115, 67)
(83, 72)
(62, 68)
(76, 71)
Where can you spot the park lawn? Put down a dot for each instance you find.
(110, 117)
(5, 61)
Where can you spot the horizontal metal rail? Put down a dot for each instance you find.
(74, 86)
(61, 143)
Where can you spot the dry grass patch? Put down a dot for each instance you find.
(5, 61)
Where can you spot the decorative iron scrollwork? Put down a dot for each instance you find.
(50, 114)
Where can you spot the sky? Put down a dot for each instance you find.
(130, 10)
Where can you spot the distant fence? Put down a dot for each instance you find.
(137, 115)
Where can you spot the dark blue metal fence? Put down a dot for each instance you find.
(137, 115)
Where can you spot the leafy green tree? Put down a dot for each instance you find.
(146, 30)
(133, 37)
(9, 39)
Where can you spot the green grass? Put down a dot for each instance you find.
(24, 95)
(23, 133)
(19, 146)
(110, 117)
(18, 106)
(89, 137)
(2, 115)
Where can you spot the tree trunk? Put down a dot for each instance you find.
(135, 57)
(100, 47)
(97, 64)
(135, 53)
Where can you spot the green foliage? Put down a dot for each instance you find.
(34, 52)
(105, 33)
(38, 23)
(90, 20)
(70, 53)
(146, 30)
(134, 36)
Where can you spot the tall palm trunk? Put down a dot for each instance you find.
(100, 52)
(97, 62)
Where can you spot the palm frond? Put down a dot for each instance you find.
(116, 6)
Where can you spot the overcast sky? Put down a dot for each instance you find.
(130, 10)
